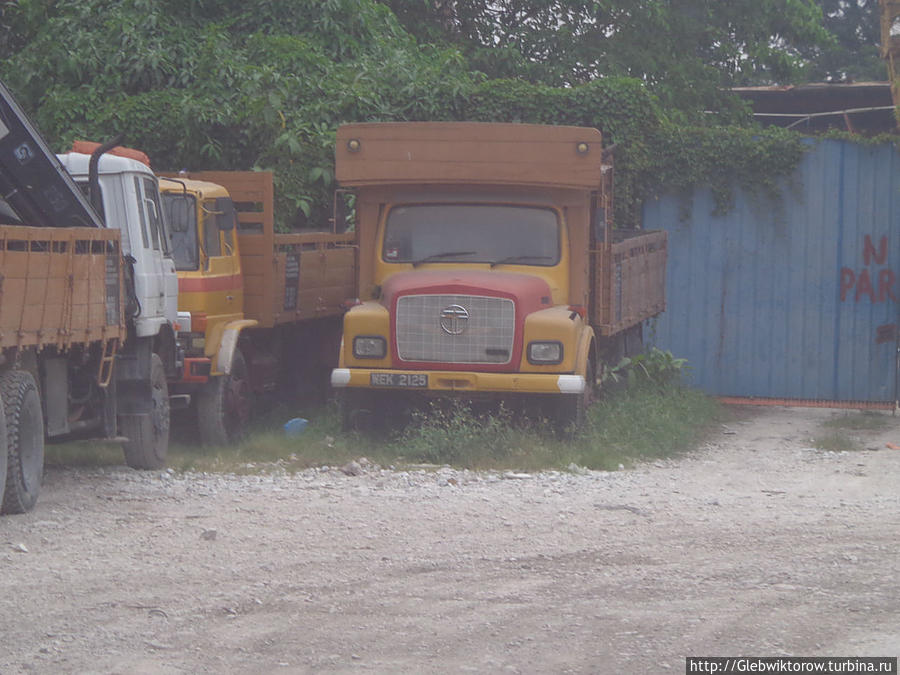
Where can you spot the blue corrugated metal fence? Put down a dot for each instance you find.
(797, 300)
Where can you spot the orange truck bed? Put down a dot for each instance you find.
(59, 286)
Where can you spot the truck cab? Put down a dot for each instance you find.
(205, 247)
(131, 203)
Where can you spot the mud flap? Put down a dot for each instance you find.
(133, 378)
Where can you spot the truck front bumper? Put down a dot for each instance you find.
(457, 381)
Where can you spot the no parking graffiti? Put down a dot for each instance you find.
(877, 285)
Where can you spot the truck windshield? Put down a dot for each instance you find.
(181, 215)
(483, 233)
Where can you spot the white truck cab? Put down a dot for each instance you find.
(129, 201)
(131, 204)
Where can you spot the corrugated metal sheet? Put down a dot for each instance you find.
(797, 300)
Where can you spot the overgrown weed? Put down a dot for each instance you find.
(457, 434)
(645, 421)
(837, 442)
(864, 420)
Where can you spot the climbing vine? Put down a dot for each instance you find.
(653, 154)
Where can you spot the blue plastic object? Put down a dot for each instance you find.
(295, 426)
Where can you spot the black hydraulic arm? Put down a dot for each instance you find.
(32, 180)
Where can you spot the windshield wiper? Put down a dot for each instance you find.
(438, 256)
(517, 258)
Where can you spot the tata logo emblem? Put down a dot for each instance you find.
(454, 319)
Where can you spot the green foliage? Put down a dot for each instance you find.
(656, 367)
(654, 153)
(836, 442)
(639, 423)
(645, 422)
(867, 420)
(203, 85)
(854, 53)
(686, 51)
(722, 158)
(262, 84)
(455, 434)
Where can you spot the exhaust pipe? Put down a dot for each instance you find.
(94, 172)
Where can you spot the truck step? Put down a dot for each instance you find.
(179, 401)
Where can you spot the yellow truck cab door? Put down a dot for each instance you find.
(222, 267)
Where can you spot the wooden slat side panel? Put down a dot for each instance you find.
(59, 287)
(312, 282)
(630, 281)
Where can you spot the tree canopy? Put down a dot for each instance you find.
(223, 84)
(853, 54)
(687, 51)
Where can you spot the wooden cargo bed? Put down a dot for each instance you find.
(297, 276)
(59, 286)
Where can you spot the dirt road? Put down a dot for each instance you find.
(756, 544)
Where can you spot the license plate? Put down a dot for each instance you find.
(398, 379)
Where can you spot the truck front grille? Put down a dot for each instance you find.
(455, 328)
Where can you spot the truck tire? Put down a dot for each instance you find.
(148, 435)
(24, 440)
(359, 410)
(3, 449)
(571, 410)
(225, 405)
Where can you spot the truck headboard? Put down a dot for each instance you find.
(469, 153)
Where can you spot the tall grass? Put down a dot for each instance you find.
(641, 422)
(646, 422)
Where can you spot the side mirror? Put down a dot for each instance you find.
(225, 214)
(178, 212)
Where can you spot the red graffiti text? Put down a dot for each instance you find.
(877, 285)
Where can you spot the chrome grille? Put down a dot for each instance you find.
(475, 329)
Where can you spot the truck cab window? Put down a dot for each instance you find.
(474, 233)
(211, 243)
(141, 212)
(180, 212)
(154, 216)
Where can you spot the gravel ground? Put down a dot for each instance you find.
(755, 544)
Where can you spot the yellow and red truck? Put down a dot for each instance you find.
(488, 266)
(257, 308)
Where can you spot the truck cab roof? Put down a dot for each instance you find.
(77, 164)
(203, 189)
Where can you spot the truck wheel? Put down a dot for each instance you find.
(148, 435)
(358, 410)
(24, 440)
(224, 407)
(3, 449)
(572, 408)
